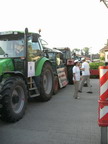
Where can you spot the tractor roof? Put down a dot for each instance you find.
(15, 33)
(52, 50)
(11, 32)
(62, 48)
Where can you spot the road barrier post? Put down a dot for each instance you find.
(103, 103)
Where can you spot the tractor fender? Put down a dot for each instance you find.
(14, 73)
(39, 65)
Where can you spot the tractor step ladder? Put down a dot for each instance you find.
(33, 91)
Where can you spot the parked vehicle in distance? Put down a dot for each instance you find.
(69, 62)
(59, 68)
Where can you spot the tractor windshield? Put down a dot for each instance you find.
(51, 56)
(66, 54)
(11, 48)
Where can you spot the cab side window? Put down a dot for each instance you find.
(34, 51)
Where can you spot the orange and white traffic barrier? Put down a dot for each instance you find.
(103, 100)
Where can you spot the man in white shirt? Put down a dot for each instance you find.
(85, 75)
(76, 78)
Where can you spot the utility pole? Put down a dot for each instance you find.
(105, 2)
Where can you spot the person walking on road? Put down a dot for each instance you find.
(85, 75)
(76, 78)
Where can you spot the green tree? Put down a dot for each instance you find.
(82, 53)
(102, 58)
(75, 50)
(86, 51)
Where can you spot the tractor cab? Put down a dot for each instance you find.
(13, 44)
(20, 48)
(55, 56)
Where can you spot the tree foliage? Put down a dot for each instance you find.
(76, 50)
(86, 51)
(102, 58)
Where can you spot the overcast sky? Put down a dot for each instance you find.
(64, 23)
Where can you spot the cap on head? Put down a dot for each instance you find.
(76, 61)
(82, 59)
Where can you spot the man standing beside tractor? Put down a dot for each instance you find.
(85, 75)
(76, 78)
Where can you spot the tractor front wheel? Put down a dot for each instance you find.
(14, 100)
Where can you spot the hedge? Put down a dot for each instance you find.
(95, 65)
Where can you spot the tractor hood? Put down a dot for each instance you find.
(6, 65)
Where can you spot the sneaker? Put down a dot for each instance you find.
(80, 91)
(90, 92)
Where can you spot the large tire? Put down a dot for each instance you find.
(70, 74)
(14, 100)
(46, 82)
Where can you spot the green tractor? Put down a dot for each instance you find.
(24, 73)
(59, 68)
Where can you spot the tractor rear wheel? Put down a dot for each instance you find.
(14, 100)
(46, 82)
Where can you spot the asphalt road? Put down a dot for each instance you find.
(62, 120)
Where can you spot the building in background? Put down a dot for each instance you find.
(104, 52)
